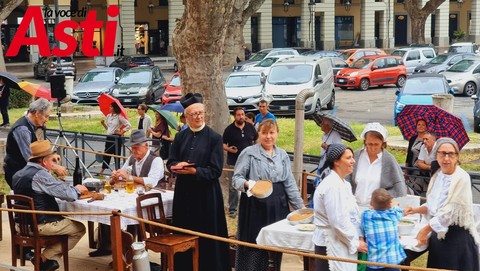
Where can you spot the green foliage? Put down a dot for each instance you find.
(19, 98)
(459, 35)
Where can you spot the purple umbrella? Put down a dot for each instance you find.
(438, 120)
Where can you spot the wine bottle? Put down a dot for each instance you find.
(77, 173)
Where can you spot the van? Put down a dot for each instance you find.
(414, 57)
(289, 76)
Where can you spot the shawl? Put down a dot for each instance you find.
(458, 207)
(391, 177)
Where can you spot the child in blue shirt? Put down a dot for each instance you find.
(380, 230)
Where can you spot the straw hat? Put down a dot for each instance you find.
(40, 148)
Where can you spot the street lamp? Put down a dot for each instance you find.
(150, 7)
(347, 4)
(459, 3)
(286, 4)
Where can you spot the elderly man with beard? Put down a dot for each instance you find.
(236, 137)
(196, 156)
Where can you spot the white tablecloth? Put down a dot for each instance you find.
(284, 235)
(126, 203)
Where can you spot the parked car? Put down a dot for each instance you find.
(352, 55)
(173, 90)
(373, 70)
(47, 65)
(337, 64)
(95, 82)
(463, 47)
(418, 89)
(242, 66)
(130, 61)
(464, 76)
(322, 53)
(414, 56)
(476, 113)
(291, 75)
(265, 65)
(246, 89)
(441, 62)
(138, 85)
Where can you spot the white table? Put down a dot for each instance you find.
(125, 203)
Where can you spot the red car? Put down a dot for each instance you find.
(372, 70)
(173, 90)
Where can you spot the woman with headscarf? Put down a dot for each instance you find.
(451, 231)
(337, 217)
(375, 167)
(262, 161)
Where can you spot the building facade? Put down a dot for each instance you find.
(146, 26)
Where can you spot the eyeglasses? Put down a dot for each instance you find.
(196, 114)
(443, 154)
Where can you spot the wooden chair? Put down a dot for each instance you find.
(159, 239)
(24, 231)
(127, 240)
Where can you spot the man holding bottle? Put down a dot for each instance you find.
(143, 167)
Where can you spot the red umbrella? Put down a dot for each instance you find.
(105, 100)
(438, 120)
(36, 90)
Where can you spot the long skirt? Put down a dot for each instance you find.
(457, 251)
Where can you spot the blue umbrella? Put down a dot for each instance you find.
(173, 107)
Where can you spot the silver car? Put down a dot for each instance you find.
(94, 83)
(464, 76)
(245, 89)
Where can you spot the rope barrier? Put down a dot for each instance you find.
(229, 240)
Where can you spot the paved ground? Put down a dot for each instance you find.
(79, 259)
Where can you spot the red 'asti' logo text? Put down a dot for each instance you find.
(34, 14)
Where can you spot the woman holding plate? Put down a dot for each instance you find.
(262, 161)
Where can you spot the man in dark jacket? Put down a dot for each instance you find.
(35, 181)
(26, 130)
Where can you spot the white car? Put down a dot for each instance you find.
(415, 56)
(265, 65)
(245, 89)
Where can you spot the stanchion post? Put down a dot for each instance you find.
(116, 236)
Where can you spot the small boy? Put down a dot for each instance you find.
(380, 229)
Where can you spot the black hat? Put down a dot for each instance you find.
(191, 98)
(335, 151)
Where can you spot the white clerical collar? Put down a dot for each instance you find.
(197, 129)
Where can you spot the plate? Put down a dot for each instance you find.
(305, 227)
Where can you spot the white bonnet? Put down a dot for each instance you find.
(375, 126)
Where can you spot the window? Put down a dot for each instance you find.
(391, 62)
(370, 53)
(428, 53)
(380, 63)
(413, 55)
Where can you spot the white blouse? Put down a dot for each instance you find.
(436, 199)
(115, 121)
(367, 178)
(335, 208)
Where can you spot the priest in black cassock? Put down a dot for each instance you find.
(196, 156)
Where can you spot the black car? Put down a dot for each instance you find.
(139, 85)
(127, 62)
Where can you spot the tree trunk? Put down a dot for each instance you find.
(418, 16)
(242, 11)
(4, 13)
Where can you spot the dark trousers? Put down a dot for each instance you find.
(113, 145)
(4, 110)
(321, 264)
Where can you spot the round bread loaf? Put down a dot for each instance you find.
(262, 189)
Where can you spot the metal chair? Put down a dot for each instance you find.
(159, 239)
(24, 231)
